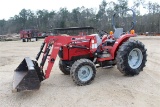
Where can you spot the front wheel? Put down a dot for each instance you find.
(83, 72)
(131, 57)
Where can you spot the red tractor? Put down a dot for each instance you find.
(81, 55)
(29, 35)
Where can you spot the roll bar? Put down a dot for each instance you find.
(133, 18)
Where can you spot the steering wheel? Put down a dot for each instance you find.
(122, 12)
(102, 33)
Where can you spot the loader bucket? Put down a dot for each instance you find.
(26, 76)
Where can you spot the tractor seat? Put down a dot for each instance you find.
(118, 32)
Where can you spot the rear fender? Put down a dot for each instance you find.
(119, 42)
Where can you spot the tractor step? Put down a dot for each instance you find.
(107, 67)
(26, 77)
(105, 54)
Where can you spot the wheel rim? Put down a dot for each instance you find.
(135, 58)
(85, 73)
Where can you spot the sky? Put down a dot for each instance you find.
(9, 8)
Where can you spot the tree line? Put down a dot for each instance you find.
(45, 20)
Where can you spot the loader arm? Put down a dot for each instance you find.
(51, 47)
(28, 75)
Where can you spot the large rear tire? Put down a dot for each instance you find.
(83, 72)
(64, 68)
(131, 57)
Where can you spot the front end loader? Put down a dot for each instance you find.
(28, 75)
(80, 56)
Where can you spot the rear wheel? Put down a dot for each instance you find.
(83, 72)
(63, 67)
(131, 57)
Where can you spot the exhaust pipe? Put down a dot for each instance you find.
(27, 76)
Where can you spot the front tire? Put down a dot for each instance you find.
(83, 72)
(131, 57)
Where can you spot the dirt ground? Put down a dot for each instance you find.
(109, 89)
